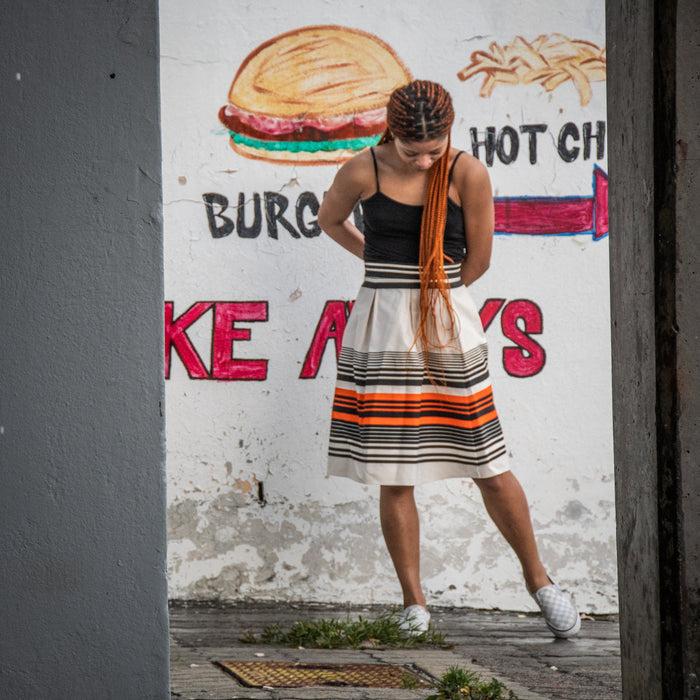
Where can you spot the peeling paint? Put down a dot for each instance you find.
(310, 551)
(242, 485)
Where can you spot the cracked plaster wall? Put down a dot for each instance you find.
(251, 513)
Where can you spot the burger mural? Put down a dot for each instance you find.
(312, 96)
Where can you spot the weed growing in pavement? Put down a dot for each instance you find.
(336, 634)
(409, 681)
(459, 684)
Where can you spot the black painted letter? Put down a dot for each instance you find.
(249, 231)
(512, 135)
(567, 154)
(308, 199)
(599, 137)
(358, 218)
(210, 199)
(489, 143)
(532, 130)
(275, 206)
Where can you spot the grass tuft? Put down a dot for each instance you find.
(459, 684)
(411, 682)
(347, 634)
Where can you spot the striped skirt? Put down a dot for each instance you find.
(392, 425)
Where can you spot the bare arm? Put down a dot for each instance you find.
(474, 185)
(348, 187)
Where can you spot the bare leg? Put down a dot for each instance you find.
(506, 503)
(401, 528)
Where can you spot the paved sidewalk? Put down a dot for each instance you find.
(515, 648)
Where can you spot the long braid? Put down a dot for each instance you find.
(433, 282)
(420, 111)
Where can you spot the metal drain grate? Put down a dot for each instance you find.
(276, 674)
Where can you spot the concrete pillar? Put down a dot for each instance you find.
(687, 148)
(82, 488)
(654, 140)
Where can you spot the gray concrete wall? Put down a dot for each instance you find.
(82, 503)
(653, 81)
(687, 164)
(630, 75)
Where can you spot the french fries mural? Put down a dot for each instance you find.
(549, 61)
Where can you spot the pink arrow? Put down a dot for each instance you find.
(547, 216)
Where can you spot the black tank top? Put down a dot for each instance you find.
(392, 229)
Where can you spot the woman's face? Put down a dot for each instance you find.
(420, 155)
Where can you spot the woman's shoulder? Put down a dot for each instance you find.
(468, 170)
(466, 163)
(359, 168)
(357, 174)
(362, 160)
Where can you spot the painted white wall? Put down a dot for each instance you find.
(317, 538)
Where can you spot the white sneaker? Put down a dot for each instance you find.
(559, 612)
(415, 619)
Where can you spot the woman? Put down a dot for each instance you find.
(413, 400)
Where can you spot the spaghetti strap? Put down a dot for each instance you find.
(376, 172)
(454, 162)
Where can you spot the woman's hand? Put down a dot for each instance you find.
(349, 186)
(474, 186)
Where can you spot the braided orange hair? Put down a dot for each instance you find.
(421, 111)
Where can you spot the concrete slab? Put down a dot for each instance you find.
(515, 648)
